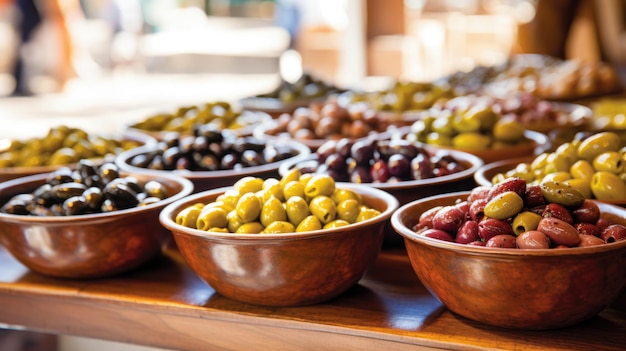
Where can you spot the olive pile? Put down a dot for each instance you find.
(210, 149)
(472, 127)
(295, 203)
(186, 118)
(594, 164)
(411, 96)
(514, 214)
(378, 161)
(328, 120)
(61, 146)
(305, 88)
(88, 189)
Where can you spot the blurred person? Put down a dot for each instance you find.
(56, 16)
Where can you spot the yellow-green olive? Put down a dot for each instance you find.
(439, 139)
(293, 188)
(212, 217)
(297, 209)
(582, 169)
(525, 221)
(610, 161)
(557, 163)
(234, 222)
(367, 213)
(504, 205)
(189, 215)
(471, 141)
(310, 223)
(250, 228)
(556, 177)
(324, 208)
(279, 227)
(348, 210)
(582, 185)
(340, 195)
(336, 224)
(608, 186)
(598, 143)
(561, 193)
(463, 124)
(248, 207)
(248, 184)
(272, 187)
(272, 211)
(320, 184)
(508, 130)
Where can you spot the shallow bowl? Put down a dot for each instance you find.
(90, 245)
(515, 288)
(291, 269)
(206, 180)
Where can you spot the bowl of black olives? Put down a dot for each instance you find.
(91, 221)
(211, 158)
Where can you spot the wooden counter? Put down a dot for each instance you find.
(164, 304)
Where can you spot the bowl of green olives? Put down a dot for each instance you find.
(293, 241)
(89, 222)
(528, 268)
(211, 158)
(62, 146)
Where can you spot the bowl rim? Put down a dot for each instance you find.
(481, 178)
(186, 184)
(167, 214)
(134, 135)
(398, 225)
(121, 161)
(539, 141)
(475, 161)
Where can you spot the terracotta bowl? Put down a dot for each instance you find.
(87, 246)
(206, 180)
(411, 190)
(514, 288)
(292, 269)
(9, 173)
(536, 143)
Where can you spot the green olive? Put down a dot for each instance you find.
(443, 125)
(582, 169)
(272, 211)
(293, 188)
(608, 186)
(63, 156)
(234, 222)
(483, 114)
(279, 227)
(211, 217)
(610, 161)
(509, 130)
(367, 213)
(336, 224)
(248, 184)
(471, 141)
(558, 163)
(561, 193)
(292, 174)
(297, 209)
(348, 210)
(320, 184)
(556, 176)
(504, 205)
(310, 223)
(189, 215)
(463, 124)
(272, 187)
(598, 143)
(248, 208)
(339, 195)
(525, 221)
(250, 228)
(230, 198)
(324, 208)
(439, 139)
(582, 185)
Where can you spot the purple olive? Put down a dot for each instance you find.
(398, 166)
(490, 227)
(437, 234)
(449, 219)
(467, 233)
(380, 172)
(421, 168)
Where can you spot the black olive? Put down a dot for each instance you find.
(108, 171)
(66, 190)
(155, 189)
(141, 160)
(19, 204)
(229, 161)
(75, 205)
(251, 158)
(60, 175)
(43, 195)
(93, 197)
(120, 194)
(157, 163)
(86, 168)
(133, 183)
(149, 201)
(171, 156)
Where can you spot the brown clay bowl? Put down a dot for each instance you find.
(514, 288)
(535, 144)
(8, 173)
(291, 269)
(206, 180)
(87, 246)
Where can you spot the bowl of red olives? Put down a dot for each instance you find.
(90, 221)
(517, 255)
(290, 241)
(62, 146)
(211, 158)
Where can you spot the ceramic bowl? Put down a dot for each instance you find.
(291, 269)
(206, 180)
(515, 288)
(8, 173)
(535, 144)
(90, 245)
